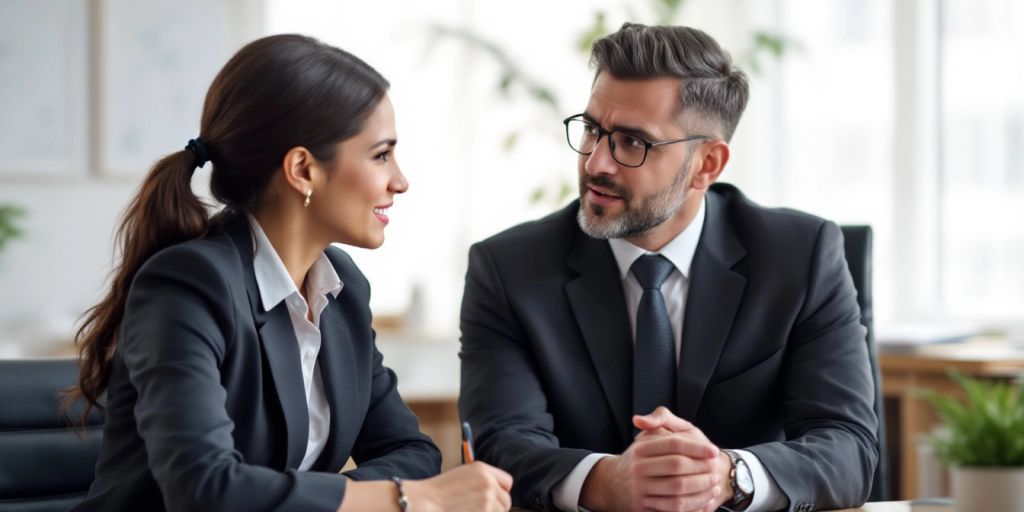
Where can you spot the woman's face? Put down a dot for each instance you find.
(352, 204)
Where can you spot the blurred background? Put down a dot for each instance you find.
(906, 115)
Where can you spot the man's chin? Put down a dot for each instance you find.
(596, 221)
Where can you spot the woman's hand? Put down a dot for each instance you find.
(474, 487)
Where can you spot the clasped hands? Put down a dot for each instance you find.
(670, 467)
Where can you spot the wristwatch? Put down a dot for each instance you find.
(741, 481)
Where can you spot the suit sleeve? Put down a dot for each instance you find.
(390, 442)
(497, 368)
(831, 449)
(178, 323)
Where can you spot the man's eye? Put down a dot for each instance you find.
(632, 142)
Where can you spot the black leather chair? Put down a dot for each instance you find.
(858, 258)
(45, 463)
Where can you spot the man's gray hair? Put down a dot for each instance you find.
(712, 89)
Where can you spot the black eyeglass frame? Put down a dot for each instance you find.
(601, 132)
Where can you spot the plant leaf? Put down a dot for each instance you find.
(9, 229)
(985, 428)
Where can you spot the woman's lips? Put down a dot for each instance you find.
(381, 212)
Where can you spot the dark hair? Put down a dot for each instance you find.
(276, 93)
(711, 87)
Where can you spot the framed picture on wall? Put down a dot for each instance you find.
(44, 55)
(154, 74)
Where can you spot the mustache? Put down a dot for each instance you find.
(606, 183)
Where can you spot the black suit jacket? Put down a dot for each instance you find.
(773, 356)
(206, 408)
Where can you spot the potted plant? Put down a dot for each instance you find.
(982, 442)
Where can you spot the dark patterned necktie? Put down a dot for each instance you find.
(654, 355)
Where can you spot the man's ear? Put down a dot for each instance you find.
(713, 157)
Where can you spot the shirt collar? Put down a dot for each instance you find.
(679, 250)
(273, 280)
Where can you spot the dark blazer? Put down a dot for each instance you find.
(206, 408)
(773, 356)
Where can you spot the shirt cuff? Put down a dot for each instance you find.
(767, 495)
(567, 493)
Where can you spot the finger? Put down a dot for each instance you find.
(690, 503)
(504, 501)
(503, 479)
(679, 485)
(661, 417)
(675, 444)
(653, 433)
(673, 465)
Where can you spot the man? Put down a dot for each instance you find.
(664, 343)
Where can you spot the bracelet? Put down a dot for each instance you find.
(403, 502)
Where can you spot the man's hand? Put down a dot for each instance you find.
(671, 466)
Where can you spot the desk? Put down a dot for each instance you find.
(898, 506)
(887, 506)
(928, 367)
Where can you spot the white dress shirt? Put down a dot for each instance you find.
(679, 251)
(276, 285)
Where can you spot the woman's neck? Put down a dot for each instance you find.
(291, 237)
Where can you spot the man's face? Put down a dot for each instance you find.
(622, 202)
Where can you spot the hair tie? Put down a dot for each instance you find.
(199, 150)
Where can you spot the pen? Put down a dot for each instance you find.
(467, 443)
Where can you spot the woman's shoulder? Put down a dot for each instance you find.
(210, 257)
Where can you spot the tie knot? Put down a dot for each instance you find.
(651, 270)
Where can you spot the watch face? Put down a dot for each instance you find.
(744, 481)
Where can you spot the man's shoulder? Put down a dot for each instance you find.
(752, 221)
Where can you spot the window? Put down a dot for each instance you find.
(981, 172)
(906, 116)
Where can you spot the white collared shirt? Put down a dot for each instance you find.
(680, 251)
(276, 285)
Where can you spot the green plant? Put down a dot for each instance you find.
(985, 429)
(8, 229)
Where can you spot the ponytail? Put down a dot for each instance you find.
(163, 212)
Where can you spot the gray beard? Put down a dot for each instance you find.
(652, 211)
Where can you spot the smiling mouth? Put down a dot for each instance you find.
(381, 211)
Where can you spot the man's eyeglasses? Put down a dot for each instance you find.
(628, 149)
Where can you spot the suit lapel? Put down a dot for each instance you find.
(599, 305)
(280, 348)
(712, 301)
(336, 360)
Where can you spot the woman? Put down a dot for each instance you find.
(236, 353)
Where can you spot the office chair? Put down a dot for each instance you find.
(45, 463)
(858, 258)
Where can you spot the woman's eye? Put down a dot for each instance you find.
(383, 156)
